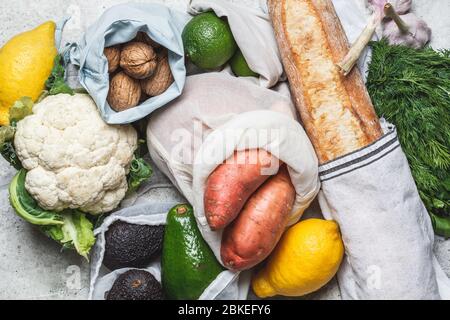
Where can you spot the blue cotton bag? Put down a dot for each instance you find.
(120, 24)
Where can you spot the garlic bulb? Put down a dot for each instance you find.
(411, 31)
(350, 59)
(376, 6)
(400, 6)
(416, 35)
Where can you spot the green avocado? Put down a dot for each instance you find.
(135, 285)
(188, 264)
(131, 245)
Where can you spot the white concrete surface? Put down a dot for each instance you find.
(32, 266)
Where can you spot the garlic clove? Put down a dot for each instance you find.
(401, 6)
(376, 6)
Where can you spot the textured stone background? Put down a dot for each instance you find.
(31, 266)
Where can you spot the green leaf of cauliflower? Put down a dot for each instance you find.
(26, 207)
(70, 228)
(140, 171)
(76, 232)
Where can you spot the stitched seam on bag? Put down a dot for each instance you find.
(342, 161)
(362, 166)
(393, 132)
(359, 159)
(353, 167)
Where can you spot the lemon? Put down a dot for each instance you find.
(306, 258)
(26, 62)
(208, 41)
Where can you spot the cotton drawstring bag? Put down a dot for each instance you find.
(120, 24)
(252, 30)
(386, 229)
(217, 115)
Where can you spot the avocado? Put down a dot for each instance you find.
(135, 285)
(188, 264)
(131, 245)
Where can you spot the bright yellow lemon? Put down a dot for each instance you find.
(26, 62)
(306, 258)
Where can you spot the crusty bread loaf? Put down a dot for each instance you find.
(336, 111)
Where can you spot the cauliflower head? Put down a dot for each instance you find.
(74, 159)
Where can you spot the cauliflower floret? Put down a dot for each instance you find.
(74, 159)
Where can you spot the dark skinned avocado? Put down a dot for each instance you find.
(131, 245)
(135, 285)
(188, 264)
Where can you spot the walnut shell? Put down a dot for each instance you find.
(124, 92)
(143, 37)
(161, 80)
(112, 54)
(138, 60)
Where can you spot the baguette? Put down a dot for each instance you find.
(336, 110)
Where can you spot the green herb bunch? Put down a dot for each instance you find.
(411, 89)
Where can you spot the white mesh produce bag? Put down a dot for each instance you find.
(226, 286)
(152, 214)
(137, 209)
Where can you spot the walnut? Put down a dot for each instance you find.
(138, 60)
(143, 37)
(113, 56)
(161, 80)
(124, 92)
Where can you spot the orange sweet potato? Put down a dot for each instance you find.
(233, 182)
(255, 232)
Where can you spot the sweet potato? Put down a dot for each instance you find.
(255, 232)
(233, 182)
